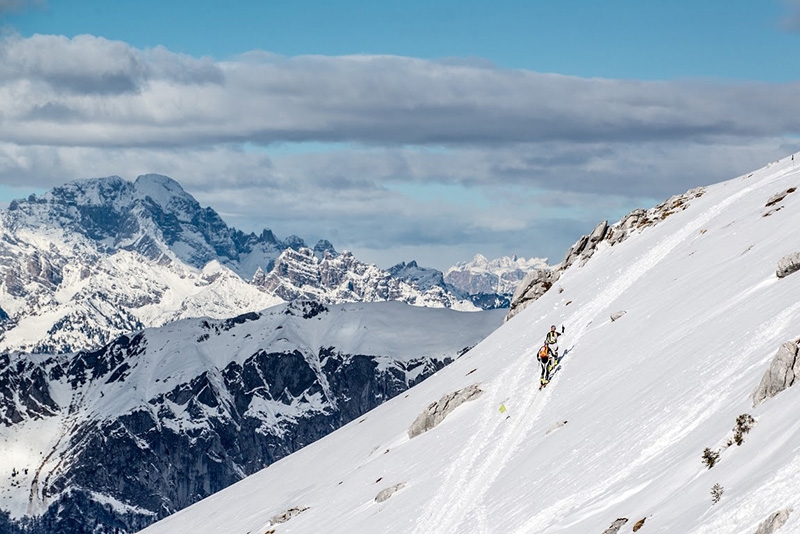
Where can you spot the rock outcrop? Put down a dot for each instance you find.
(533, 286)
(437, 411)
(777, 197)
(617, 315)
(585, 246)
(782, 373)
(540, 281)
(774, 522)
(788, 265)
(384, 494)
(287, 515)
(616, 525)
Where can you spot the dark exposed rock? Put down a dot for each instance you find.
(777, 197)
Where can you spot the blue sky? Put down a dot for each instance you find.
(427, 130)
(616, 39)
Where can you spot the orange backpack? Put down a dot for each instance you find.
(544, 352)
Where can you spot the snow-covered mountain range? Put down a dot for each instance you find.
(651, 424)
(491, 283)
(498, 276)
(94, 259)
(112, 439)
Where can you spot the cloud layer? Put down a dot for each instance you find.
(384, 152)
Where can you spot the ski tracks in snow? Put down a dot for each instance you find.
(472, 473)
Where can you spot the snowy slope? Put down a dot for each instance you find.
(642, 397)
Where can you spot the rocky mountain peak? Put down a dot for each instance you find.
(324, 248)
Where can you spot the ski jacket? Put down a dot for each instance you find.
(552, 337)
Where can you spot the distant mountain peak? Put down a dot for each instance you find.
(160, 188)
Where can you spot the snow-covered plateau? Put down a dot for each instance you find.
(616, 442)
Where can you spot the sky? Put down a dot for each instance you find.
(415, 130)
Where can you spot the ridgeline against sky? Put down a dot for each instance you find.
(413, 130)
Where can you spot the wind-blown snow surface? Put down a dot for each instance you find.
(642, 397)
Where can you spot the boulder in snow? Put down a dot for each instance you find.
(774, 522)
(782, 373)
(616, 525)
(777, 197)
(285, 516)
(437, 411)
(555, 426)
(788, 264)
(384, 494)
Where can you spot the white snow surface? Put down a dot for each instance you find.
(642, 397)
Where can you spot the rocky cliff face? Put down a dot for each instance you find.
(153, 422)
(539, 281)
(342, 278)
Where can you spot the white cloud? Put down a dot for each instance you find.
(114, 94)
(546, 155)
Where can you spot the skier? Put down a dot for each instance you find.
(546, 362)
(551, 339)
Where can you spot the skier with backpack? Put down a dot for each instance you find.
(546, 361)
(548, 355)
